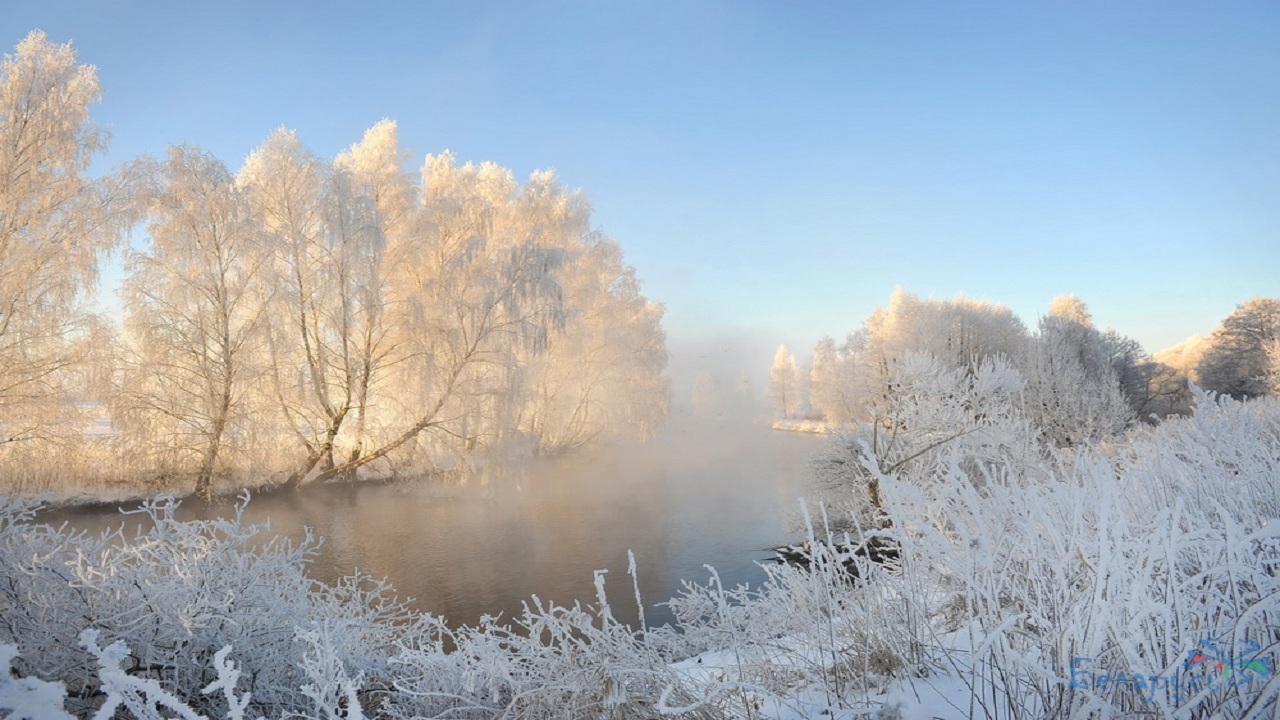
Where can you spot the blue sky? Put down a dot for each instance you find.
(771, 169)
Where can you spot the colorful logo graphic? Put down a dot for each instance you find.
(1211, 666)
(1243, 662)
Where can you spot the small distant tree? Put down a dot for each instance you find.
(934, 412)
(784, 382)
(837, 388)
(1236, 361)
(1070, 307)
(1073, 393)
(824, 380)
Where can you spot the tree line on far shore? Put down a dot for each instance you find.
(1082, 384)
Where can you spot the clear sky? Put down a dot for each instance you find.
(774, 169)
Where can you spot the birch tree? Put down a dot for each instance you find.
(54, 224)
(193, 319)
(601, 374)
(323, 315)
(784, 382)
(466, 292)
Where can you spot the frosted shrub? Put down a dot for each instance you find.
(1185, 561)
(1224, 454)
(816, 631)
(174, 595)
(934, 415)
(143, 698)
(550, 661)
(1137, 578)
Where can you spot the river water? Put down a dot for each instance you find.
(703, 492)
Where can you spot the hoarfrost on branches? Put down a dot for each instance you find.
(300, 320)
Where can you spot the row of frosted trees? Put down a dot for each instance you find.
(1081, 384)
(302, 317)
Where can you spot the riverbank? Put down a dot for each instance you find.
(816, 427)
(82, 478)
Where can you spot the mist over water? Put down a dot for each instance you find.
(705, 491)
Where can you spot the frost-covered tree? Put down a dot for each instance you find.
(959, 332)
(467, 295)
(1273, 367)
(375, 167)
(193, 320)
(784, 382)
(1235, 362)
(826, 392)
(325, 298)
(470, 296)
(54, 224)
(601, 373)
(1184, 358)
(1153, 389)
(1073, 394)
(838, 390)
(1176, 373)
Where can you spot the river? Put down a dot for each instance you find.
(703, 492)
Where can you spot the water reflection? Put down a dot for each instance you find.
(702, 492)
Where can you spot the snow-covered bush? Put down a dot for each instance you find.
(28, 698)
(1091, 586)
(830, 635)
(550, 661)
(176, 593)
(935, 415)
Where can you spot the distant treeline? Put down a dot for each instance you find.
(1079, 384)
